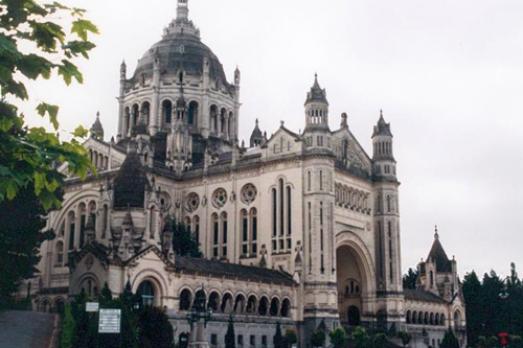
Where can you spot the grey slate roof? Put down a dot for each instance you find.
(316, 94)
(422, 295)
(130, 183)
(178, 52)
(222, 269)
(437, 253)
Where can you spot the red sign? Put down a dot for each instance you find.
(503, 338)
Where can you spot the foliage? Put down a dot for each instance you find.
(154, 329)
(405, 338)
(184, 241)
(516, 342)
(338, 337)
(22, 216)
(493, 305)
(290, 337)
(409, 279)
(318, 338)
(379, 340)
(360, 337)
(449, 340)
(68, 328)
(230, 337)
(38, 41)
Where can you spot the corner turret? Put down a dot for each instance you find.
(383, 157)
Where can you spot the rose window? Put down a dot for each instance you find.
(219, 198)
(248, 194)
(193, 202)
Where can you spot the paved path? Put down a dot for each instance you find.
(25, 329)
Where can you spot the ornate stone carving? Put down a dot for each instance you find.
(248, 193)
(192, 202)
(219, 198)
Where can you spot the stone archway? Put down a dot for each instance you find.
(355, 279)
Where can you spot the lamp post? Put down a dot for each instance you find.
(504, 295)
(198, 317)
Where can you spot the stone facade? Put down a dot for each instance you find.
(300, 229)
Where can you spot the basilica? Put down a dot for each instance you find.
(300, 229)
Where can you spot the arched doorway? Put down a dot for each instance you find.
(353, 316)
(351, 280)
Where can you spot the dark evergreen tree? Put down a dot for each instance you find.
(449, 340)
(318, 338)
(22, 221)
(278, 337)
(409, 279)
(154, 329)
(184, 241)
(230, 337)
(474, 307)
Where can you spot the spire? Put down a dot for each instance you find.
(316, 94)
(182, 12)
(382, 127)
(97, 130)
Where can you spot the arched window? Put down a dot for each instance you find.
(167, 111)
(145, 111)
(389, 208)
(215, 225)
(254, 231)
(224, 234)
(213, 113)
(196, 229)
(127, 121)
(230, 125)
(223, 121)
(135, 115)
(59, 254)
(286, 308)
(192, 116)
(214, 299)
(244, 232)
(264, 306)
(457, 320)
(426, 318)
(251, 304)
(442, 319)
(105, 220)
(200, 301)
(227, 304)
(185, 300)
(408, 317)
(71, 226)
(83, 220)
(436, 319)
(239, 304)
(431, 319)
(146, 293)
(420, 318)
(414, 318)
(275, 306)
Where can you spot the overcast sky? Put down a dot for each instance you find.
(448, 75)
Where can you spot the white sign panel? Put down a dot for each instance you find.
(109, 322)
(92, 307)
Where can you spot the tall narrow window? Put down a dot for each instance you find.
(391, 270)
(254, 230)
(216, 236)
(322, 242)
(282, 207)
(152, 221)
(274, 213)
(83, 220)
(321, 180)
(105, 220)
(289, 211)
(388, 204)
(308, 180)
(72, 226)
(196, 228)
(59, 254)
(245, 233)
(309, 226)
(224, 235)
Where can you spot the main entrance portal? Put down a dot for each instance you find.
(351, 283)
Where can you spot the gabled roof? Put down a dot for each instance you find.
(437, 253)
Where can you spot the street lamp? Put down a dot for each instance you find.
(200, 310)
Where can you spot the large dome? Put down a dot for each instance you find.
(181, 51)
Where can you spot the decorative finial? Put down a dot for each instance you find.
(98, 114)
(183, 10)
(381, 113)
(282, 123)
(257, 122)
(436, 234)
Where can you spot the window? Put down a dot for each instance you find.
(167, 111)
(254, 231)
(245, 232)
(224, 235)
(59, 254)
(281, 217)
(214, 339)
(196, 229)
(146, 293)
(308, 180)
(240, 340)
(264, 341)
(321, 180)
(252, 340)
(216, 235)
(71, 220)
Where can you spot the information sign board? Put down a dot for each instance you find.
(109, 322)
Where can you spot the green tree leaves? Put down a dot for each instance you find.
(54, 34)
